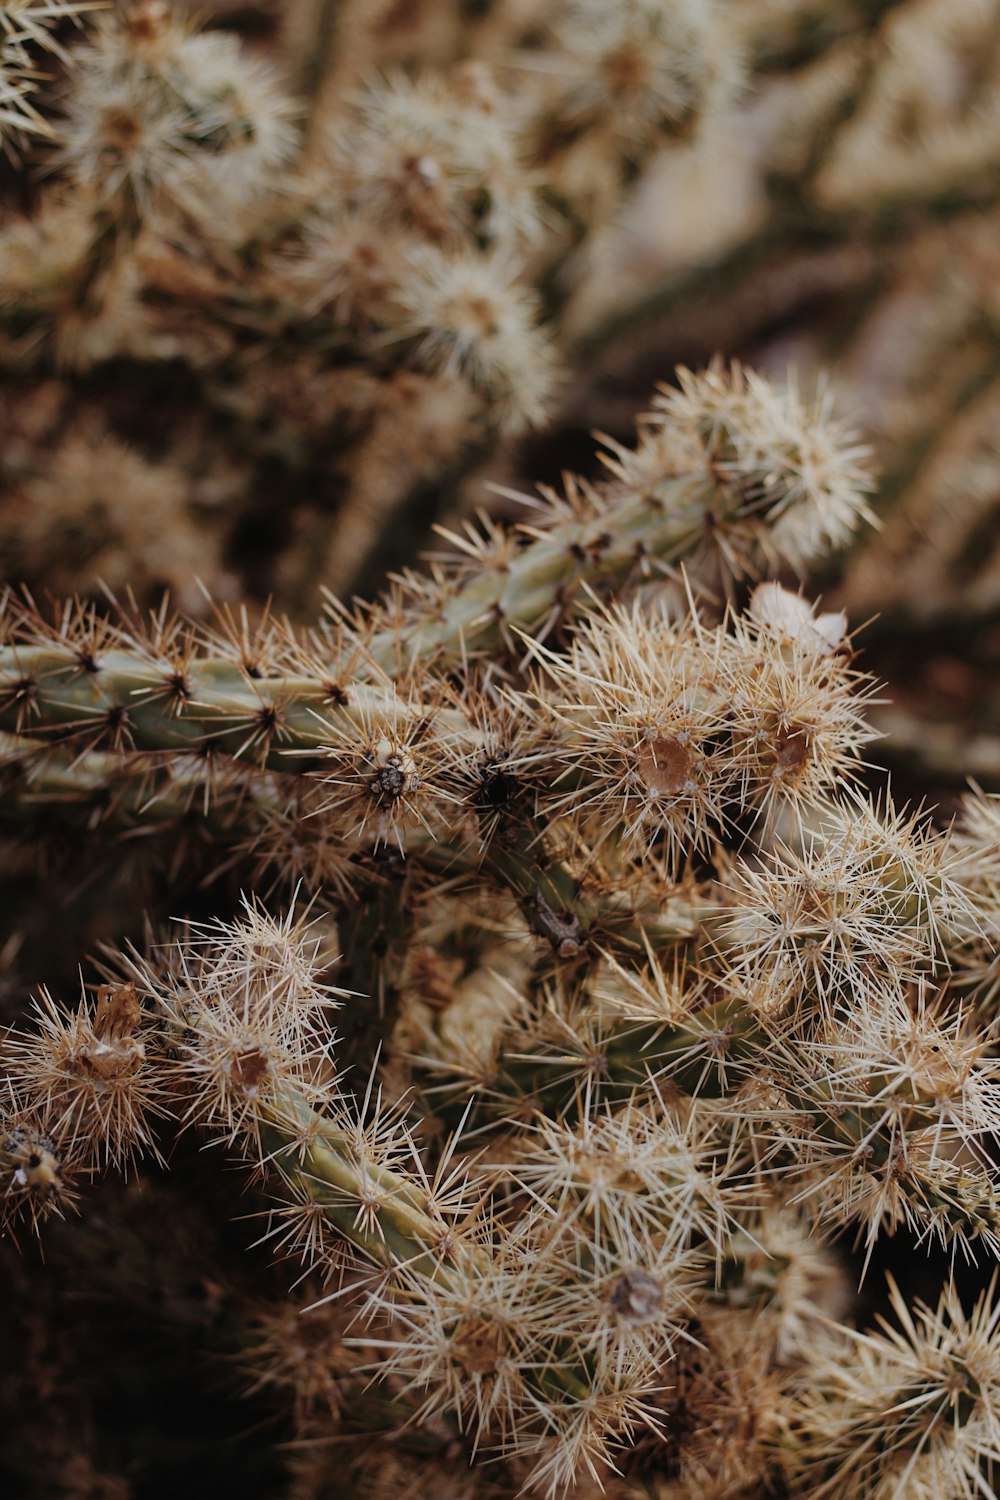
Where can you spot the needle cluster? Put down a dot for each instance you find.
(587, 1004)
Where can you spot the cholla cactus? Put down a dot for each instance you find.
(26, 33)
(362, 279)
(588, 996)
(588, 1027)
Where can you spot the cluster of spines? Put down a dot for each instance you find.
(416, 218)
(764, 708)
(27, 32)
(589, 1233)
(407, 239)
(82, 1093)
(676, 725)
(536, 1297)
(725, 1035)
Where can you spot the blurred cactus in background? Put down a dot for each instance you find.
(604, 1055)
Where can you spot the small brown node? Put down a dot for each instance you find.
(268, 718)
(24, 690)
(791, 750)
(481, 313)
(636, 1297)
(665, 765)
(116, 718)
(477, 1344)
(248, 1068)
(178, 687)
(392, 779)
(626, 68)
(498, 788)
(86, 659)
(147, 23)
(121, 129)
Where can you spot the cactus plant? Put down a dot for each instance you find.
(606, 1053)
